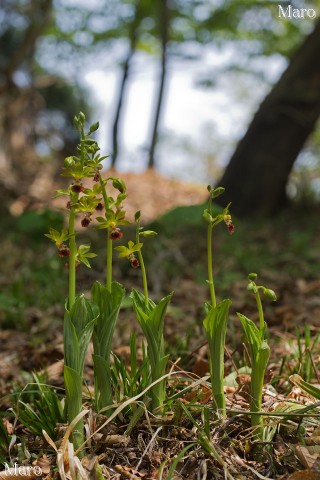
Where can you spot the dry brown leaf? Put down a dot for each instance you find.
(117, 440)
(44, 463)
(129, 472)
(309, 456)
(305, 475)
(201, 367)
(54, 371)
(20, 473)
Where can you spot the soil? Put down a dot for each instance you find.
(286, 248)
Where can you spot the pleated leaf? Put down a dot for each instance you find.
(215, 325)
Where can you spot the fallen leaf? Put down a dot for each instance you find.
(305, 475)
(309, 456)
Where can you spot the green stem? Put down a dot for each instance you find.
(143, 269)
(109, 261)
(210, 270)
(109, 241)
(257, 379)
(260, 310)
(73, 254)
(104, 192)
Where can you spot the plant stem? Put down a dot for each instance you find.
(73, 253)
(260, 310)
(109, 241)
(143, 268)
(104, 192)
(109, 261)
(210, 272)
(257, 379)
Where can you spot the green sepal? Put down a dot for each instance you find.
(93, 127)
(216, 192)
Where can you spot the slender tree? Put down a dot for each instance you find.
(164, 31)
(120, 96)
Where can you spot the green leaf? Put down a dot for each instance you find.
(253, 334)
(108, 304)
(259, 366)
(73, 385)
(151, 319)
(102, 381)
(215, 325)
(78, 327)
(305, 386)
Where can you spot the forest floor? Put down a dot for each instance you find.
(285, 253)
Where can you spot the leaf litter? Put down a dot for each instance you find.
(150, 449)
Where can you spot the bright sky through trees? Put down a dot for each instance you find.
(199, 123)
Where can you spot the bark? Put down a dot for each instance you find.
(162, 83)
(17, 153)
(257, 174)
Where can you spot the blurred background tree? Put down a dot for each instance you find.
(47, 46)
(37, 107)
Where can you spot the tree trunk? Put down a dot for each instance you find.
(257, 175)
(123, 84)
(18, 158)
(164, 19)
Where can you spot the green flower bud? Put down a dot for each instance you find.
(94, 127)
(119, 184)
(82, 118)
(252, 277)
(137, 216)
(217, 192)
(148, 233)
(252, 288)
(69, 162)
(207, 217)
(76, 122)
(270, 294)
(89, 141)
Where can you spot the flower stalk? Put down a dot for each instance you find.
(215, 322)
(73, 252)
(259, 351)
(141, 261)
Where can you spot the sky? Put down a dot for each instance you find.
(200, 125)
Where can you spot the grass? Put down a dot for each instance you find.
(284, 256)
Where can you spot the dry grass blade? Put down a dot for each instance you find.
(148, 447)
(245, 465)
(122, 407)
(66, 457)
(12, 474)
